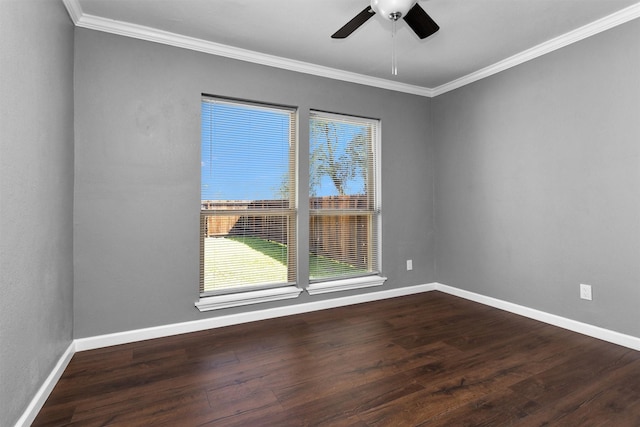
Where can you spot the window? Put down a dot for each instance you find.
(344, 202)
(248, 215)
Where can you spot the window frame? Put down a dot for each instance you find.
(372, 278)
(252, 294)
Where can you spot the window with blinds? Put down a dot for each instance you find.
(343, 196)
(247, 216)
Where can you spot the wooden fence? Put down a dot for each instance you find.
(260, 223)
(343, 235)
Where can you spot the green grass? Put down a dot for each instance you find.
(272, 249)
(245, 261)
(320, 267)
(231, 263)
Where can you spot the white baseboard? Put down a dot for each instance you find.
(107, 340)
(47, 387)
(236, 319)
(552, 319)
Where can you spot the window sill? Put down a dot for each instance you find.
(218, 302)
(345, 284)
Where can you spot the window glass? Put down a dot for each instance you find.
(247, 220)
(343, 196)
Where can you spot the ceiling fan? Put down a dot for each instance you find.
(409, 10)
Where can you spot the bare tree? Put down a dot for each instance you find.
(327, 158)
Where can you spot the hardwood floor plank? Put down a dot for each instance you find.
(593, 362)
(375, 364)
(426, 359)
(504, 408)
(240, 398)
(613, 399)
(349, 402)
(150, 411)
(495, 366)
(416, 408)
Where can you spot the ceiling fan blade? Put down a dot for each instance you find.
(420, 22)
(354, 24)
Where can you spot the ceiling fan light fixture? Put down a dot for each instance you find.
(392, 9)
(409, 10)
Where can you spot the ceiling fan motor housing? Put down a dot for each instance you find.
(409, 10)
(392, 9)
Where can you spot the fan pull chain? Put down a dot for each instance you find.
(394, 55)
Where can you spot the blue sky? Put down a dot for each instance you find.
(262, 138)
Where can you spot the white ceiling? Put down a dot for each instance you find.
(476, 38)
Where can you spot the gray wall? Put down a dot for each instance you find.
(36, 197)
(137, 115)
(536, 173)
(538, 182)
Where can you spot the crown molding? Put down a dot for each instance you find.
(625, 15)
(172, 39)
(73, 9)
(126, 29)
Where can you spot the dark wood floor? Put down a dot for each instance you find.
(429, 359)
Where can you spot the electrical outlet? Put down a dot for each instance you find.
(585, 292)
(409, 264)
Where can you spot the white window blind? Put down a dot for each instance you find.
(248, 215)
(344, 223)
